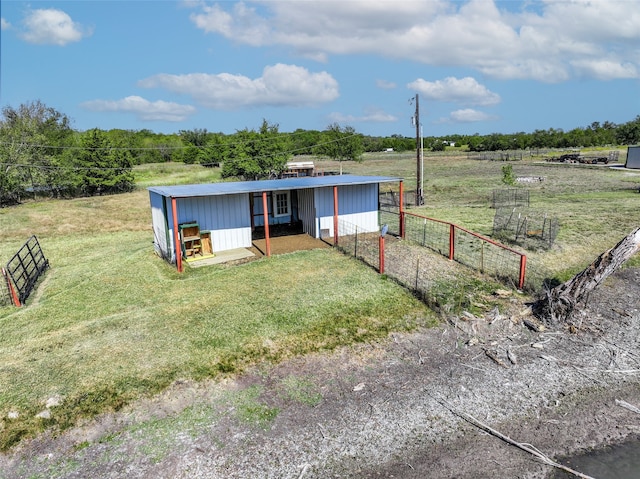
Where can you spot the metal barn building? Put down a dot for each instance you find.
(633, 157)
(225, 214)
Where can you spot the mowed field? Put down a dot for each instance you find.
(111, 322)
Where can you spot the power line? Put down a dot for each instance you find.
(94, 168)
(286, 152)
(161, 146)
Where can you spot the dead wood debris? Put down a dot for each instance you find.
(493, 355)
(628, 406)
(522, 446)
(560, 304)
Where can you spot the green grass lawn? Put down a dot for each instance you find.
(111, 322)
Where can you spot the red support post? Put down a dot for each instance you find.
(265, 212)
(176, 234)
(523, 268)
(452, 241)
(335, 216)
(381, 253)
(401, 210)
(12, 291)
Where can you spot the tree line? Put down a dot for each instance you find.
(41, 154)
(594, 135)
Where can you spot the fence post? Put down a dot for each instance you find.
(424, 232)
(381, 253)
(452, 240)
(335, 216)
(12, 292)
(265, 213)
(401, 210)
(523, 268)
(355, 248)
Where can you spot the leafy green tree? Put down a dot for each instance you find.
(508, 176)
(102, 167)
(341, 144)
(303, 142)
(254, 155)
(436, 144)
(32, 138)
(216, 150)
(629, 133)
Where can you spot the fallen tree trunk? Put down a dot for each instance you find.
(560, 302)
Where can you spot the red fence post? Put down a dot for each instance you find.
(335, 216)
(523, 268)
(452, 241)
(401, 225)
(381, 253)
(12, 292)
(265, 212)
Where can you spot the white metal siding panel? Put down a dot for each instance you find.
(324, 208)
(307, 212)
(227, 217)
(357, 204)
(159, 225)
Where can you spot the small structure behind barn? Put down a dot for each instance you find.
(633, 157)
(190, 220)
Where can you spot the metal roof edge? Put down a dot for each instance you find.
(242, 187)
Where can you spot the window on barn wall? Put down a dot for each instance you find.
(281, 203)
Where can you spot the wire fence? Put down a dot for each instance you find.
(510, 197)
(421, 235)
(468, 248)
(363, 245)
(525, 227)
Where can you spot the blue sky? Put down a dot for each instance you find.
(478, 66)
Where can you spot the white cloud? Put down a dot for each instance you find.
(605, 69)
(243, 24)
(143, 109)
(550, 42)
(279, 85)
(4, 25)
(371, 115)
(458, 90)
(51, 27)
(385, 85)
(469, 115)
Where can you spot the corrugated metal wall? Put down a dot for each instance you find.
(162, 242)
(357, 204)
(307, 212)
(226, 216)
(633, 157)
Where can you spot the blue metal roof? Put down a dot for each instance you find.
(236, 187)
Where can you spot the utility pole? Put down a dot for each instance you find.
(419, 192)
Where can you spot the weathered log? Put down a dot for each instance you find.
(559, 303)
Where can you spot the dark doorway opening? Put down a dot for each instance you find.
(275, 231)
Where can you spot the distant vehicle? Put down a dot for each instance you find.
(590, 160)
